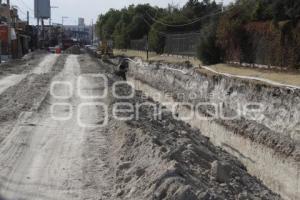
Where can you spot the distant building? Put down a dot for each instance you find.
(80, 33)
(15, 34)
(81, 22)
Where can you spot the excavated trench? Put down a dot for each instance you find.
(154, 155)
(257, 123)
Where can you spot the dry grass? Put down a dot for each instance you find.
(280, 77)
(155, 57)
(133, 53)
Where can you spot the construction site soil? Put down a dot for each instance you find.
(139, 158)
(167, 159)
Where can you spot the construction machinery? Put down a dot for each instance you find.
(104, 49)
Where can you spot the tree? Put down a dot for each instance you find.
(262, 10)
(286, 9)
(106, 23)
(159, 30)
(208, 51)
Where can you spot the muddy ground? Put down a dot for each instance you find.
(141, 158)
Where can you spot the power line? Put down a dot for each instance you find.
(186, 24)
(24, 12)
(194, 20)
(180, 25)
(25, 5)
(181, 35)
(159, 32)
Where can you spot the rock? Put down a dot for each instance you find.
(120, 193)
(171, 127)
(140, 172)
(124, 165)
(223, 184)
(127, 179)
(221, 171)
(185, 193)
(183, 132)
(204, 195)
(209, 195)
(190, 146)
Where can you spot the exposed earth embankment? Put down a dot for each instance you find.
(257, 122)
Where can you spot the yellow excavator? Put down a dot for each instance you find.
(104, 50)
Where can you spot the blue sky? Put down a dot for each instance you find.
(88, 9)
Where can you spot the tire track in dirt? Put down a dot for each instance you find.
(25, 96)
(10, 81)
(43, 157)
(43, 67)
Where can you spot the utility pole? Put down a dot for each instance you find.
(147, 46)
(222, 4)
(43, 33)
(9, 21)
(38, 33)
(50, 22)
(92, 32)
(62, 27)
(27, 17)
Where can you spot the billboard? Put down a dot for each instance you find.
(42, 9)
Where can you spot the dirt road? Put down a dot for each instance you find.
(56, 146)
(10, 80)
(42, 157)
(13, 79)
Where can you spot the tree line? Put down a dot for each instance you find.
(218, 24)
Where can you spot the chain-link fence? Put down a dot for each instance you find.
(140, 45)
(178, 44)
(182, 44)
